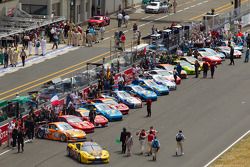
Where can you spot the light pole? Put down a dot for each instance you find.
(72, 10)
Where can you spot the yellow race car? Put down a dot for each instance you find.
(87, 152)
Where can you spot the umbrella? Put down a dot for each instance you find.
(21, 99)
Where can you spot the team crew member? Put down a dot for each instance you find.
(196, 67)
(20, 139)
(149, 144)
(155, 147)
(179, 139)
(123, 137)
(212, 69)
(231, 53)
(92, 115)
(205, 69)
(129, 143)
(149, 104)
(142, 136)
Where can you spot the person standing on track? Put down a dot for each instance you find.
(174, 6)
(212, 69)
(155, 147)
(196, 67)
(231, 54)
(247, 56)
(179, 139)
(149, 104)
(92, 115)
(20, 139)
(205, 69)
(123, 137)
(129, 143)
(142, 136)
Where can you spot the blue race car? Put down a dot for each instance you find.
(105, 110)
(151, 85)
(141, 92)
(126, 98)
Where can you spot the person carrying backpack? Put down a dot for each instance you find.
(155, 147)
(179, 139)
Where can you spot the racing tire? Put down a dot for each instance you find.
(40, 134)
(79, 158)
(63, 138)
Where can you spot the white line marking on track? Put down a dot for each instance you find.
(179, 11)
(161, 17)
(186, 8)
(145, 17)
(192, 6)
(199, 3)
(10, 149)
(210, 162)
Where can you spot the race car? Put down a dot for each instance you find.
(100, 121)
(113, 103)
(77, 123)
(60, 131)
(166, 74)
(213, 52)
(161, 80)
(126, 98)
(226, 51)
(87, 152)
(149, 84)
(189, 68)
(238, 47)
(170, 69)
(99, 21)
(191, 60)
(105, 110)
(208, 57)
(141, 92)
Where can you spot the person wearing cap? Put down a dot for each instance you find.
(123, 137)
(179, 139)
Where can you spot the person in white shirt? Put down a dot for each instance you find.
(119, 18)
(43, 46)
(126, 18)
(179, 139)
(102, 30)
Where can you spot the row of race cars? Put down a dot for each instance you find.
(113, 106)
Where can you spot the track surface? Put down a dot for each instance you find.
(212, 112)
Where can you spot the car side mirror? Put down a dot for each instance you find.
(57, 129)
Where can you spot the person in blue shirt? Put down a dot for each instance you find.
(155, 147)
(178, 69)
(247, 56)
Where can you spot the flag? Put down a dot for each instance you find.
(54, 100)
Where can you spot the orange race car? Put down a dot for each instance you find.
(61, 131)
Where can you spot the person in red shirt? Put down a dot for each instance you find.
(149, 104)
(150, 139)
(123, 40)
(142, 137)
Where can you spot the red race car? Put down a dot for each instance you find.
(112, 103)
(100, 121)
(99, 21)
(77, 123)
(206, 56)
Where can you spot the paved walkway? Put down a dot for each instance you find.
(34, 59)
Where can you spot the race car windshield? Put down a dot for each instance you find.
(85, 114)
(150, 83)
(211, 51)
(183, 63)
(91, 148)
(97, 18)
(111, 102)
(123, 94)
(153, 4)
(205, 54)
(65, 126)
(138, 89)
(165, 73)
(103, 107)
(160, 78)
(74, 119)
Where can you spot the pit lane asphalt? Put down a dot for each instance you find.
(212, 113)
(31, 78)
